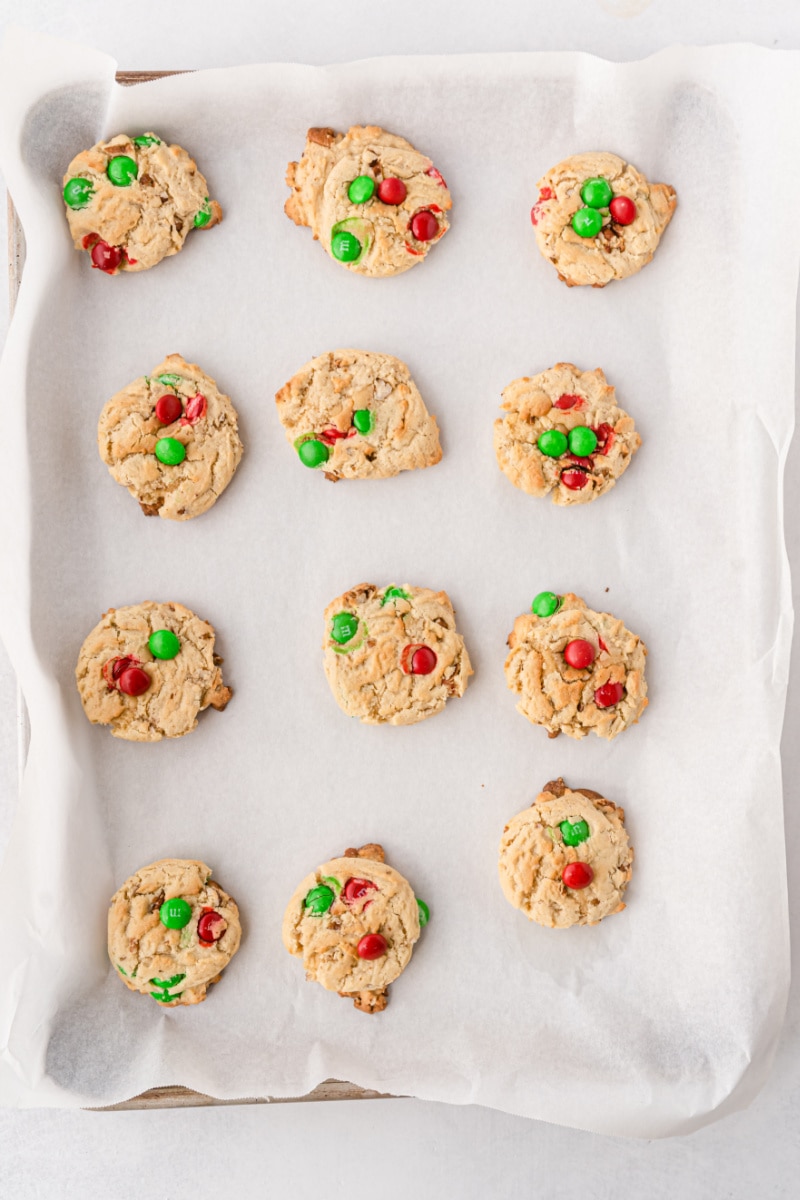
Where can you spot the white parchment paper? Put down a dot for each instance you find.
(656, 1020)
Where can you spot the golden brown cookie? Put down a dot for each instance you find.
(354, 922)
(147, 671)
(393, 654)
(374, 202)
(132, 201)
(564, 434)
(172, 439)
(597, 218)
(575, 670)
(566, 860)
(172, 931)
(354, 414)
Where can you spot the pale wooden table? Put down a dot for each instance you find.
(173, 1097)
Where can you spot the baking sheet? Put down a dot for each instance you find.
(646, 1025)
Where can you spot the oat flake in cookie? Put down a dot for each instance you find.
(374, 202)
(353, 414)
(132, 201)
(574, 670)
(597, 218)
(172, 930)
(566, 860)
(393, 654)
(354, 922)
(172, 439)
(148, 670)
(564, 434)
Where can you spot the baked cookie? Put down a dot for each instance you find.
(566, 860)
(148, 670)
(171, 438)
(171, 931)
(354, 922)
(393, 655)
(358, 415)
(374, 202)
(576, 670)
(563, 433)
(598, 219)
(132, 201)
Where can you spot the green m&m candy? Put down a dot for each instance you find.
(319, 900)
(344, 626)
(147, 139)
(424, 913)
(596, 193)
(312, 452)
(122, 170)
(163, 644)
(175, 914)
(545, 604)
(553, 443)
(78, 192)
(587, 222)
(363, 420)
(361, 189)
(582, 440)
(202, 217)
(163, 996)
(169, 380)
(394, 593)
(170, 451)
(574, 833)
(345, 246)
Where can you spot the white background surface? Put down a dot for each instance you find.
(409, 1147)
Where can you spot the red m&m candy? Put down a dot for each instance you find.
(168, 409)
(354, 889)
(622, 210)
(134, 681)
(417, 659)
(211, 926)
(568, 400)
(608, 695)
(196, 409)
(579, 653)
(372, 945)
(392, 191)
(577, 875)
(106, 258)
(424, 226)
(574, 479)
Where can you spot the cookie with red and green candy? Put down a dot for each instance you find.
(375, 203)
(566, 860)
(172, 439)
(356, 414)
(132, 201)
(597, 218)
(393, 655)
(564, 434)
(148, 670)
(574, 670)
(354, 922)
(172, 930)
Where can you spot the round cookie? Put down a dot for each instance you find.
(358, 415)
(566, 860)
(393, 655)
(172, 439)
(131, 202)
(374, 202)
(147, 671)
(564, 434)
(597, 218)
(575, 670)
(354, 922)
(172, 930)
